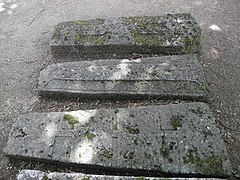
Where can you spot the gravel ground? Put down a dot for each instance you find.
(24, 50)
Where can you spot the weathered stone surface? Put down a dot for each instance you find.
(176, 138)
(40, 175)
(170, 76)
(169, 34)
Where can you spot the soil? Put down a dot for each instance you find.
(24, 45)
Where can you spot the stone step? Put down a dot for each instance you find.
(40, 175)
(175, 138)
(168, 34)
(169, 76)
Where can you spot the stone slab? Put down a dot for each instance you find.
(175, 138)
(40, 175)
(168, 34)
(170, 76)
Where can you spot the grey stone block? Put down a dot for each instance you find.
(40, 175)
(168, 34)
(175, 138)
(169, 76)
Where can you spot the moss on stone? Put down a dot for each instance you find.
(57, 32)
(105, 154)
(71, 120)
(128, 155)
(92, 119)
(45, 177)
(85, 178)
(99, 40)
(78, 38)
(176, 121)
(147, 39)
(201, 87)
(82, 22)
(140, 178)
(197, 111)
(96, 39)
(164, 150)
(114, 127)
(141, 21)
(192, 157)
(192, 45)
(132, 129)
(90, 136)
(211, 166)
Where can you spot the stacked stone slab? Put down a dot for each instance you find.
(39, 175)
(175, 139)
(169, 34)
(170, 139)
(169, 76)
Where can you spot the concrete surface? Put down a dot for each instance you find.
(169, 77)
(168, 34)
(39, 175)
(25, 35)
(176, 139)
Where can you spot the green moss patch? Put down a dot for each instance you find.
(85, 178)
(105, 154)
(140, 178)
(176, 121)
(132, 129)
(71, 120)
(192, 44)
(211, 165)
(147, 39)
(45, 178)
(164, 150)
(90, 136)
(128, 155)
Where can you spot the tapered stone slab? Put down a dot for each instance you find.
(168, 34)
(169, 76)
(176, 139)
(40, 175)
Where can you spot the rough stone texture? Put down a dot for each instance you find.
(176, 138)
(170, 76)
(169, 34)
(39, 175)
